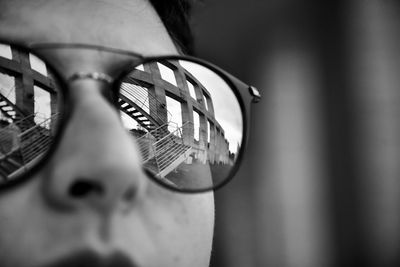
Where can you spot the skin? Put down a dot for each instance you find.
(40, 221)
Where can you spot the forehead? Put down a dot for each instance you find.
(125, 24)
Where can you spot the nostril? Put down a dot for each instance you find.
(129, 194)
(82, 188)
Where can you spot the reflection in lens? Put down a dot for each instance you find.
(186, 120)
(28, 111)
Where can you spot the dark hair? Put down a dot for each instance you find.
(175, 15)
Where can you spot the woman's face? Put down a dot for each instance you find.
(42, 222)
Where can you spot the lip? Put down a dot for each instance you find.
(89, 258)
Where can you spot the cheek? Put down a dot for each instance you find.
(18, 212)
(178, 226)
(188, 227)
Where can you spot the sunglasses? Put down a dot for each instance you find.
(189, 118)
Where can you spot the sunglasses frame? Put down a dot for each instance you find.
(244, 94)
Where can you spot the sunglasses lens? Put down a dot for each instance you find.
(186, 120)
(28, 111)
(183, 115)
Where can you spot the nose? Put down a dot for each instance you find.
(96, 164)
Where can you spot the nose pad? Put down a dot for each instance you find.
(97, 164)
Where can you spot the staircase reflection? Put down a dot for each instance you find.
(23, 142)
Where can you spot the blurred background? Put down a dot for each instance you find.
(320, 185)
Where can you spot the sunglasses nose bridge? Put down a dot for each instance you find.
(69, 59)
(98, 76)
